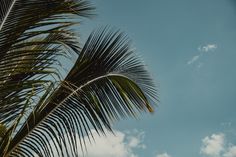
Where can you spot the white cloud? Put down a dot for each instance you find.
(163, 155)
(193, 59)
(135, 139)
(213, 145)
(207, 48)
(119, 145)
(116, 144)
(202, 50)
(231, 152)
(217, 146)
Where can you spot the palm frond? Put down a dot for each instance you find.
(108, 82)
(33, 33)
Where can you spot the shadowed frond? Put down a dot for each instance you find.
(43, 112)
(107, 82)
(32, 34)
(34, 37)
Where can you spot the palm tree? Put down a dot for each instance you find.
(45, 110)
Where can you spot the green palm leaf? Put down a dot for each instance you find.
(34, 34)
(107, 83)
(44, 113)
(29, 45)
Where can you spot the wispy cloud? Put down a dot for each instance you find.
(163, 155)
(201, 51)
(216, 145)
(193, 59)
(207, 48)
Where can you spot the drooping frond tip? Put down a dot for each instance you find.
(108, 54)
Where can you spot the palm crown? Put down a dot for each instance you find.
(44, 112)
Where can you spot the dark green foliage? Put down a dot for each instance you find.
(44, 113)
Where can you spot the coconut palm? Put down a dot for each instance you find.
(46, 110)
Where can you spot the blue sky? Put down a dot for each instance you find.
(189, 47)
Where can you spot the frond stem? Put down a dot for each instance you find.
(6, 16)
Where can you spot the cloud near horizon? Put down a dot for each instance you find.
(213, 145)
(216, 145)
(116, 144)
(119, 144)
(163, 155)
